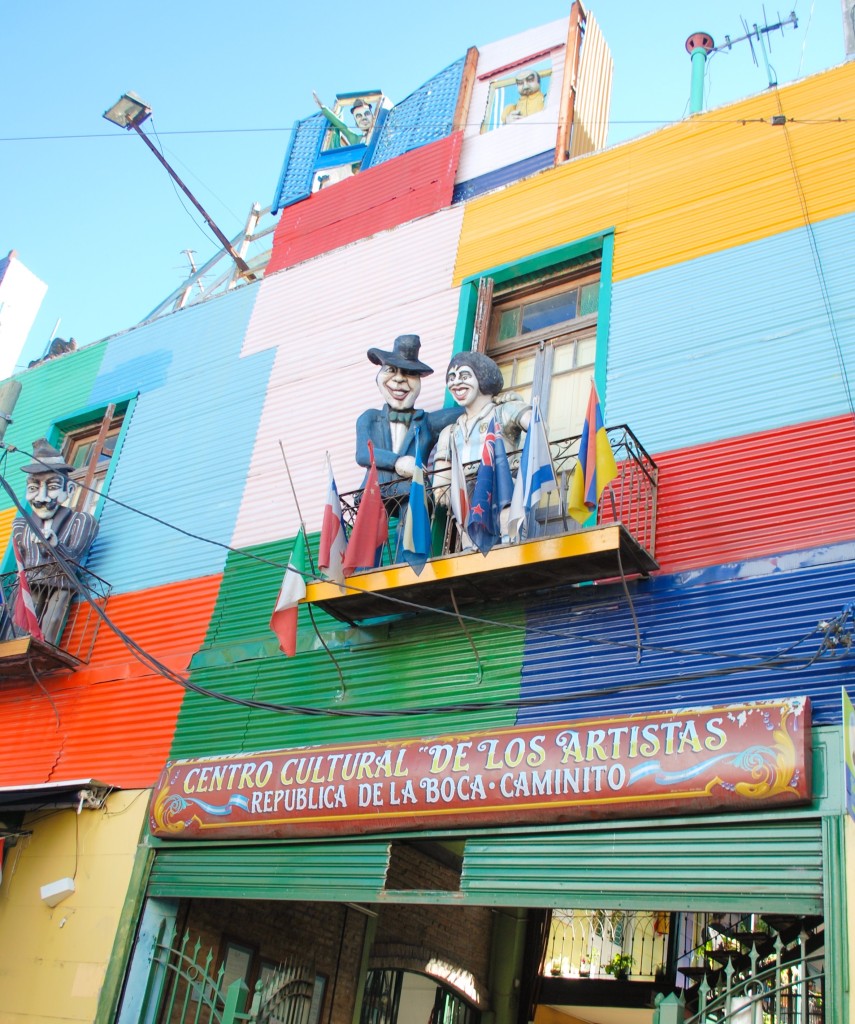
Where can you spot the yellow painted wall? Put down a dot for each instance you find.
(6, 518)
(53, 960)
(849, 842)
(715, 180)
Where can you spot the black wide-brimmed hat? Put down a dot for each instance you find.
(404, 355)
(47, 459)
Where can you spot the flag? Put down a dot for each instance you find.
(415, 547)
(333, 538)
(283, 622)
(24, 615)
(371, 529)
(596, 467)
(492, 492)
(535, 475)
(459, 494)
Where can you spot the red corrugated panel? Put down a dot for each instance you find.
(410, 186)
(116, 718)
(755, 495)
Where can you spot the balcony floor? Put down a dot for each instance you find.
(600, 553)
(20, 654)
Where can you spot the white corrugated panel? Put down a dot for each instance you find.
(593, 92)
(511, 143)
(322, 317)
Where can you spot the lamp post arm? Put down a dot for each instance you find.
(241, 263)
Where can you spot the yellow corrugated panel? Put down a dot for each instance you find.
(716, 180)
(6, 518)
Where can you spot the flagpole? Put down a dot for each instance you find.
(297, 506)
(551, 460)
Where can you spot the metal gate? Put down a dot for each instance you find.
(184, 988)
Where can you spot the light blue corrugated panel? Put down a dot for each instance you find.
(186, 453)
(704, 637)
(295, 181)
(735, 342)
(424, 116)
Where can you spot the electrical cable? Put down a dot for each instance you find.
(515, 703)
(406, 605)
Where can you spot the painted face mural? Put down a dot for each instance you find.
(46, 492)
(398, 388)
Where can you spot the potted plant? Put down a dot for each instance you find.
(620, 965)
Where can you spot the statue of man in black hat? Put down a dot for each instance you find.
(399, 431)
(60, 529)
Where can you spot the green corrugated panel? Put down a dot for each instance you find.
(771, 867)
(304, 871)
(49, 392)
(389, 670)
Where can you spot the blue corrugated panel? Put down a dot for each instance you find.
(295, 181)
(502, 176)
(187, 451)
(733, 343)
(704, 639)
(424, 116)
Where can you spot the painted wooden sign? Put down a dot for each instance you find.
(672, 762)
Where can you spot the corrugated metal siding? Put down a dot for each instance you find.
(316, 871)
(186, 453)
(484, 155)
(739, 868)
(295, 181)
(783, 490)
(706, 638)
(423, 117)
(404, 287)
(503, 176)
(593, 92)
(7, 517)
(55, 389)
(113, 720)
(412, 663)
(735, 342)
(374, 200)
(718, 180)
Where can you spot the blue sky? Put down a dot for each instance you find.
(94, 215)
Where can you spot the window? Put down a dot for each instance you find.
(89, 451)
(544, 339)
(545, 321)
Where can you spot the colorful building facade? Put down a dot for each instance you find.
(699, 622)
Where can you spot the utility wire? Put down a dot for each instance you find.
(412, 606)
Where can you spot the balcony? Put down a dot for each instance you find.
(68, 622)
(617, 542)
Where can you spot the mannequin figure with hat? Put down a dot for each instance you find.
(396, 429)
(61, 529)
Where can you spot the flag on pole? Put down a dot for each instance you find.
(333, 537)
(415, 547)
(283, 622)
(24, 614)
(371, 529)
(535, 475)
(459, 494)
(596, 466)
(492, 492)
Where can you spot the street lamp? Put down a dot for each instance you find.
(129, 112)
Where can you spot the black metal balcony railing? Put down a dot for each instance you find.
(629, 500)
(69, 623)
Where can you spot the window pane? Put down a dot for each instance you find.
(508, 324)
(518, 373)
(586, 351)
(564, 358)
(568, 399)
(548, 312)
(590, 298)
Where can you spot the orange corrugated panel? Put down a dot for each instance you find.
(713, 181)
(755, 495)
(113, 719)
(413, 185)
(7, 517)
